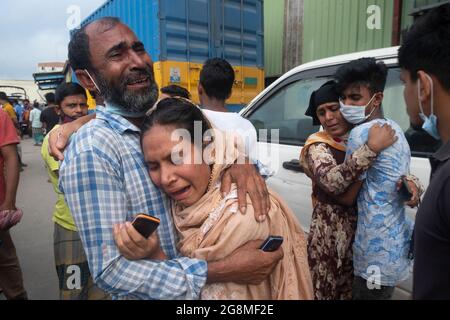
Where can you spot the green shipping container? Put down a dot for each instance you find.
(329, 27)
(273, 37)
(333, 27)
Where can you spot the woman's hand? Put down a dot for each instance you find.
(381, 137)
(133, 246)
(416, 190)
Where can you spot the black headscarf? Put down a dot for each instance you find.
(325, 94)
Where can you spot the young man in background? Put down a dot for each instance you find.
(71, 101)
(215, 87)
(424, 58)
(383, 233)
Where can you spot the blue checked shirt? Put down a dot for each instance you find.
(105, 182)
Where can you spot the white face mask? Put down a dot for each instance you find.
(355, 114)
(89, 75)
(430, 122)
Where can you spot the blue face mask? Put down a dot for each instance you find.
(429, 123)
(355, 114)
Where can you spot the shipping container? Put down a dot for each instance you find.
(333, 27)
(273, 37)
(180, 35)
(313, 29)
(299, 31)
(283, 33)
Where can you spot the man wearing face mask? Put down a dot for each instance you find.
(424, 58)
(383, 233)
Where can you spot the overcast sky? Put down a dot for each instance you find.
(35, 31)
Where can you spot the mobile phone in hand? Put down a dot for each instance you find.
(272, 243)
(145, 224)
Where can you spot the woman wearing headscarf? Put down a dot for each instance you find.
(335, 187)
(209, 225)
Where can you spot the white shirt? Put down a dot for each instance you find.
(233, 123)
(35, 116)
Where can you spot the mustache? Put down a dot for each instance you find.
(138, 74)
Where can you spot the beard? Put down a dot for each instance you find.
(136, 101)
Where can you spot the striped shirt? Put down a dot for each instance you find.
(105, 182)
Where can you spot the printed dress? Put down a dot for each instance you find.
(333, 225)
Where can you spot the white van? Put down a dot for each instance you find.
(282, 106)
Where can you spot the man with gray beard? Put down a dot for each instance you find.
(105, 181)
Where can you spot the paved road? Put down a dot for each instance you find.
(33, 236)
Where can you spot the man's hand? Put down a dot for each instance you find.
(248, 180)
(133, 246)
(246, 265)
(58, 139)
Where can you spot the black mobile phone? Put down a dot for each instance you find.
(272, 243)
(405, 190)
(145, 224)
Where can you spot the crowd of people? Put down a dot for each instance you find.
(32, 119)
(214, 213)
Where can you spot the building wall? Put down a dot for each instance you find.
(50, 69)
(30, 87)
